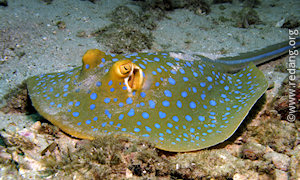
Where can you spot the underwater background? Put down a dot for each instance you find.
(44, 36)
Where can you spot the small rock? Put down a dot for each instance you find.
(281, 175)
(246, 176)
(128, 174)
(280, 23)
(280, 161)
(294, 170)
(61, 25)
(5, 156)
(36, 126)
(253, 151)
(249, 154)
(239, 177)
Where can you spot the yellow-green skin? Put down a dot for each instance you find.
(182, 106)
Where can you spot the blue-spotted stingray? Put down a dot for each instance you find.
(178, 104)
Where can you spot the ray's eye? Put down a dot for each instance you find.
(125, 68)
(129, 73)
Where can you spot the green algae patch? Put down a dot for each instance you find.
(122, 38)
(109, 157)
(128, 33)
(246, 17)
(163, 6)
(216, 164)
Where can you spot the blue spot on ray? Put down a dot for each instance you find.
(209, 79)
(188, 117)
(212, 102)
(92, 107)
(192, 105)
(162, 114)
(107, 100)
(175, 118)
(166, 103)
(107, 113)
(148, 129)
(201, 118)
(184, 94)
(110, 82)
(93, 96)
(88, 121)
(157, 125)
(182, 71)
(168, 93)
(75, 114)
(129, 100)
(179, 104)
(152, 104)
(131, 112)
(143, 94)
(172, 81)
(145, 115)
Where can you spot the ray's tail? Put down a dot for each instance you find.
(258, 56)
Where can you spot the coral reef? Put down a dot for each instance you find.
(53, 154)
